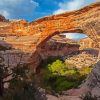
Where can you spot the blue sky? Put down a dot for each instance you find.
(33, 9)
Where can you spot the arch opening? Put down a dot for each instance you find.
(63, 44)
(58, 47)
(74, 36)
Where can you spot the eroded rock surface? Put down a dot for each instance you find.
(27, 36)
(53, 48)
(82, 60)
(93, 80)
(88, 43)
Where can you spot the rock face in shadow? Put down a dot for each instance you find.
(93, 80)
(53, 48)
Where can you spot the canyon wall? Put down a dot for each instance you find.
(88, 43)
(57, 49)
(28, 36)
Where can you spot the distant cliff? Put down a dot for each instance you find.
(88, 43)
(2, 18)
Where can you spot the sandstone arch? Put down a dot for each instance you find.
(85, 20)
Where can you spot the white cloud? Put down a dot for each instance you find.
(75, 36)
(71, 5)
(4, 13)
(17, 8)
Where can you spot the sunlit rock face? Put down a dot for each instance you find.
(28, 36)
(88, 43)
(82, 60)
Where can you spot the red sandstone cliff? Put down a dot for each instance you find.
(28, 36)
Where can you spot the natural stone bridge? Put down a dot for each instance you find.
(85, 20)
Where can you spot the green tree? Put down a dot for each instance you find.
(57, 67)
(59, 76)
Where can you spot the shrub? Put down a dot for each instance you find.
(85, 70)
(49, 60)
(59, 83)
(89, 96)
(21, 87)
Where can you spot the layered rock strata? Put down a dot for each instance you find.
(27, 36)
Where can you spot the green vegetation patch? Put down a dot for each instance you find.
(59, 76)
